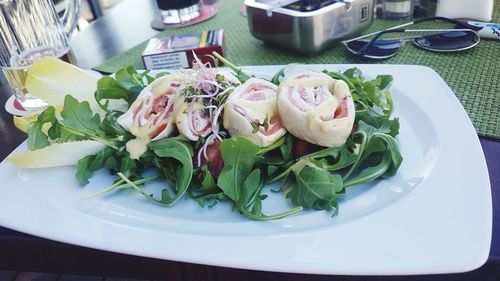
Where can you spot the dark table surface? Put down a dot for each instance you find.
(108, 36)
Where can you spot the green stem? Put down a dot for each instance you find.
(141, 181)
(118, 185)
(105, 109)
(338, 75)
(358, 159)
(270, 147)
(92, 137)
(102, 191)
(238, 71)
(367, 178)
(295, 167)
(280, 176)
(133, 185)
(140, 190)
(272, 217)
(390, 103)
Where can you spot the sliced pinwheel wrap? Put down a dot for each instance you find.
(250, 111)
(150, 115)
(317, 108)
(194, 119)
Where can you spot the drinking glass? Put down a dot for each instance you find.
(29, 30)
(397, 9)
(179, 11)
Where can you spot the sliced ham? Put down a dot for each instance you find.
(151, 115)
(252, 104)
(316, 108)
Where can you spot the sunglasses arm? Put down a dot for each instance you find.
(376, 32)
(362, 51)
(459, 23)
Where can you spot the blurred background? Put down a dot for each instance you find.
(91, 10)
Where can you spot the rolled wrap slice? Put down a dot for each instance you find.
(150, 115)
(317, 108)
(253, 104)
(192, 119)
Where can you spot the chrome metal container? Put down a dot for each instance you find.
(291, 25)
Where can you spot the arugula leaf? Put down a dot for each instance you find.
(128, 166)
(111, 127)
(174, 160)
(36, 137)
(239, 155)
(315, 188)
(372, 98)
(203, 181)
(280, 74)
(251, 188)
(379, 153)
(210, 199)
(241, 182)
(287, 147)
(392, 149)
(79, 123)
(158, 75)
(79, 116)
(354, 73)
(126, 85)
(108, 88)
(334, 158)
(86, 166)
(128, 78)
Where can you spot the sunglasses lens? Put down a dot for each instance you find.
(379, 49)
(448, 42)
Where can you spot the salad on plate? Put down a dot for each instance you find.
(213, 135)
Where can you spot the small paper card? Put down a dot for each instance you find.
(176, 51)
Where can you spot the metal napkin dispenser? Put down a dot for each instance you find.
(308, 26)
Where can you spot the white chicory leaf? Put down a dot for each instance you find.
(50, 79)
(55, 155)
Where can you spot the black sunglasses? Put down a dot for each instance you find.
(462, 37)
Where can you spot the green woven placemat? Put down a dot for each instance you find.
(473, 75)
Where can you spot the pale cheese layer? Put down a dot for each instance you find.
(136, 121)
(199, 122)
(146, 124)
(253, 102)
(307, 104)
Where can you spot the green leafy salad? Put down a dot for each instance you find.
(212, 135)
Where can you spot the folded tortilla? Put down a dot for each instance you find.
(193, 118)
(250, 111)
(317, 108)
(150, 115)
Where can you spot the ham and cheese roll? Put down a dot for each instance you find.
(250, 111)
(316, 108)
(192, 119)
(150, 115)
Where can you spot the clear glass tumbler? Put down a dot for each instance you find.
(179, 11)
(29, 30)
(397, 9)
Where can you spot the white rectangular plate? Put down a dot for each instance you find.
(434, 216)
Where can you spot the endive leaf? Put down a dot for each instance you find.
(22, 122)
(57, 154)
(50, 79)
